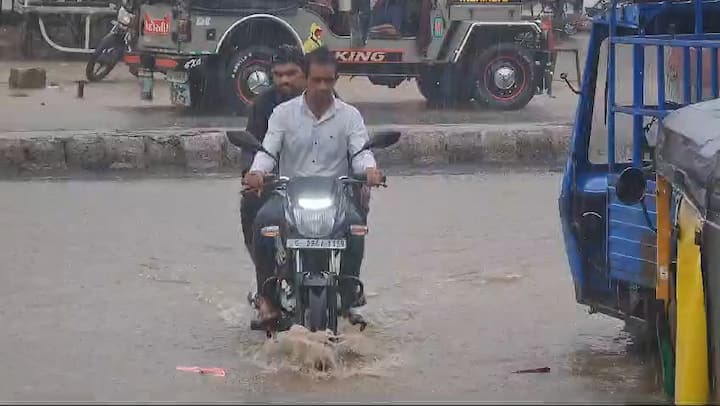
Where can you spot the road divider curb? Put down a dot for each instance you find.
(207, 150)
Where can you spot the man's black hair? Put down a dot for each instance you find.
(288, 54)
(320, 56)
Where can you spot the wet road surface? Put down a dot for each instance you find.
(108, 286)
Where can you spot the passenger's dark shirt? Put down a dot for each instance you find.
(260, 112)
(258, 117)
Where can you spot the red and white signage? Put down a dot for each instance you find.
(159, 26)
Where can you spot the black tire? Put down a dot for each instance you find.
(520, 90)
(108, 42)
(240, 69)
(317, 319)
(430, 84)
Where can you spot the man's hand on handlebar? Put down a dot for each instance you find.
(254, 181)
(374, 177)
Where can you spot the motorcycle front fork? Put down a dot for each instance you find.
(288, 293)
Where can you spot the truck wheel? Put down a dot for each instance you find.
(430, 84)
(503, 78)
(248, 75)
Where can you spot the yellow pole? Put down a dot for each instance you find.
(692, 384)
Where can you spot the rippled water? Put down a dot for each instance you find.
(107, 287)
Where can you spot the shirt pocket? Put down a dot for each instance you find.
(332, 140)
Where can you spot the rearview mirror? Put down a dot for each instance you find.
(380, 139)
(630, 187)
(244, 140)
(383, 139)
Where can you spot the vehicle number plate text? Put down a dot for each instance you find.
(306, 243)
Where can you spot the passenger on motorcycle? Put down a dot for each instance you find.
(312, 135)
(288, 82)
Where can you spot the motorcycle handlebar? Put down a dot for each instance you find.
(273, 180)
(362, 178)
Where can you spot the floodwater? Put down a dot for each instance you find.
(108, 286)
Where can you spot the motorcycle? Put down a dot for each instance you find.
(112, 47)
(320, 215)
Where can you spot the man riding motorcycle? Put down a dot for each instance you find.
(311, 135)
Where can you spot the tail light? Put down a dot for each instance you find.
(358, 229)
(184, 29)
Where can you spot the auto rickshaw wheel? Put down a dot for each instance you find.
(248, 73)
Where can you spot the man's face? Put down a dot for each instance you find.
(321, 81)
(288, 79)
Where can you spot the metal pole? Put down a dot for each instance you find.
(611, 88)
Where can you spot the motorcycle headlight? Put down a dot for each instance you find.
(124, 17)
(314, 217)
(310, 203)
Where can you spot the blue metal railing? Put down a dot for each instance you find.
(639, 110)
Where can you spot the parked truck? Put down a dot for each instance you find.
(458, 51)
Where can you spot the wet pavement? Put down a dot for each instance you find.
(108, 286)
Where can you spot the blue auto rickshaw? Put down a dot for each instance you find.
(635, 222)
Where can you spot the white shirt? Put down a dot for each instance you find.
(311, 147)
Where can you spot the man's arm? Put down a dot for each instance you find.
(253, 127)
(358, 138)
(272, 143)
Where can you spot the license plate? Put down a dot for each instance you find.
(180, 94)
(307, 243)
(176, 76)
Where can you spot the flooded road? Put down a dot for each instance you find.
(108, 286)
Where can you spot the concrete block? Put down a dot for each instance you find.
(498, 146)
(12, 155)
(44, 154)
(424, 147)
(164, 150)
(125, 152)
(465, 146)
(86, 152)
(204, 151)
(29, 78)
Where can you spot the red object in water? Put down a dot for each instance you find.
(203, 371)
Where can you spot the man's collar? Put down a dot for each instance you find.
(328, 114)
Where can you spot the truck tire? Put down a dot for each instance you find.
(248, 74)
(430, 84)
(503, 78)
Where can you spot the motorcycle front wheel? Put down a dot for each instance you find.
(98, 68)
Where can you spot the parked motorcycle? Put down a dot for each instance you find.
(320, 216)
(112, 47)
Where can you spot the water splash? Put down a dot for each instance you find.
(322, 355)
